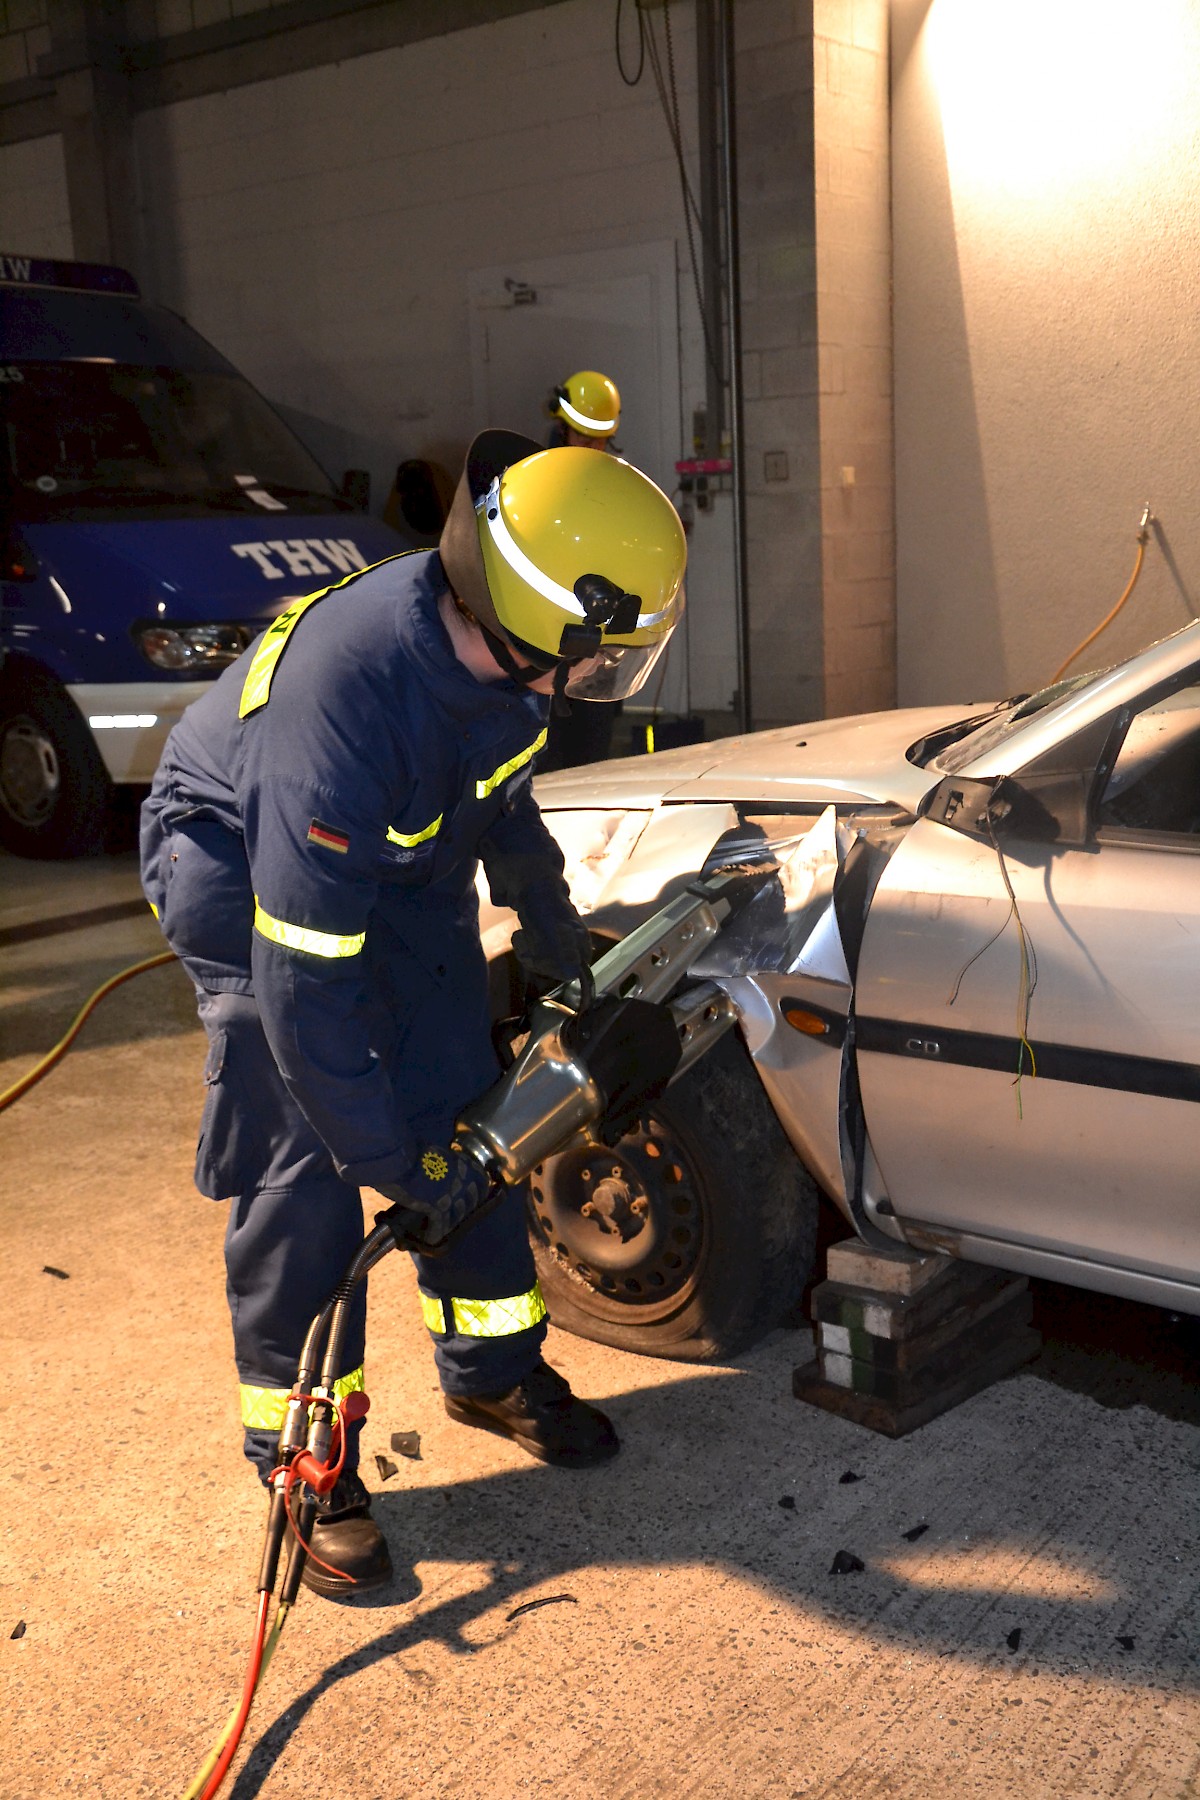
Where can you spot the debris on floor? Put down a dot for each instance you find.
(846, 1563)
(407, 1443)
(1013, 1640)
(18, 1630)
(546, 1600)
(59, 1274)
(386, 1467)
(788, 1502)
(1126, 1643)
(917, 1531)
(847, 1477)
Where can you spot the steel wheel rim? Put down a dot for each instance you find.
(638, 1263)
(30, 776)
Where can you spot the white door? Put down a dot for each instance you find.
(532, 323)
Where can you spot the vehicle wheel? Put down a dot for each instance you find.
(54, 789)
(694, 1236)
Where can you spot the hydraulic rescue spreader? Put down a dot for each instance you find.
(593, 1055)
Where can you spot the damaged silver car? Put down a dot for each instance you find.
(965, 996)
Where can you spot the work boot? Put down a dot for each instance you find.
(346, 1536)
(542, 1415)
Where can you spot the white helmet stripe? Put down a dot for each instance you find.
(519, 563)
(582, 420)
(517, 560)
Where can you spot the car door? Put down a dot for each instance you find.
(1028, 1019)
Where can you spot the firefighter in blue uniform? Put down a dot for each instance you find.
(310, 846)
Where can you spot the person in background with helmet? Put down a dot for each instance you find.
(310, 846)
(586, 411)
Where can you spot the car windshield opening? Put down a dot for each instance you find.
(115, 434)
(1000, 725)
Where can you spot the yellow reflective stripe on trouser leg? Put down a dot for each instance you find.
(484, 788)
(265, 1408)
(299, 937)
(433, 1311)
(499, 1318)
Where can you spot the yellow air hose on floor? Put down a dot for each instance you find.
(34, 1075)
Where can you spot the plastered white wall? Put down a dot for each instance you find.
(321, 228)
(1046, 167)
(34, 215)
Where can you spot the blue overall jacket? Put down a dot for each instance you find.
(312, 838)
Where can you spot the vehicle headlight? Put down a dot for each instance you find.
(192, 646)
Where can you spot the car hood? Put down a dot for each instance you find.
(859, 760)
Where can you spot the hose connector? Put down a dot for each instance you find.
(1143, 532)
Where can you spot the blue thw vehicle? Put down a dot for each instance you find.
(156, 516)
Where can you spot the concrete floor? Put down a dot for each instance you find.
(704, 1649)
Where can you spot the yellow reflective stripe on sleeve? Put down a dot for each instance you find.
(264, 1409)
(484, 788)
(256, 689)
(299, 937)
(433, 1311)
(499, 1318)
(417, 837)
(152, 907)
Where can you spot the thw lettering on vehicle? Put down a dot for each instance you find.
(302, 556)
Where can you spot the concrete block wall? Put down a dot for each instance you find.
(853, 221)
(816, 330)
(35, 218)
(24, 36)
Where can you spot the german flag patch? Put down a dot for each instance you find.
(326, 838)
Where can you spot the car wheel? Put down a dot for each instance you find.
(693, 1236)
(54, 790)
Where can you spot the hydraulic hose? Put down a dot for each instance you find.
(213, 1769)
(1143, 537)
(47, 1062)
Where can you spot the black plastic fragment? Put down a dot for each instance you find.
(407, 1443)
(917, 1531)
(1126, 1643)
(58, 1274)
(1013, 1640)
(386, 1468)
(18, 1630)
(846, 1563)
(788, 1502)
(847, 1478)
(546, 1600)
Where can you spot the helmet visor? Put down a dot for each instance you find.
(615, 672)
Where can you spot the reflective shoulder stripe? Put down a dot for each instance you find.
(256, 689)
(152, 907)
(499, 1318)
(417, 837)
(264, 1409)
(484, 788)
(299, 937)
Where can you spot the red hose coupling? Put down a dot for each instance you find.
(321, 1477)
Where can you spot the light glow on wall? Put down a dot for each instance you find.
(1041, 95)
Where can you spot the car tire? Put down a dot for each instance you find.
(54, 790)
(694, 1236)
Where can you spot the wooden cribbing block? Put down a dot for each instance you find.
(902, 1339)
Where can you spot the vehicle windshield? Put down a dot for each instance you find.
(1010, 717)
(110, 435)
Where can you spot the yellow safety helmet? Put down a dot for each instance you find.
(574, 560)
(589, 403)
